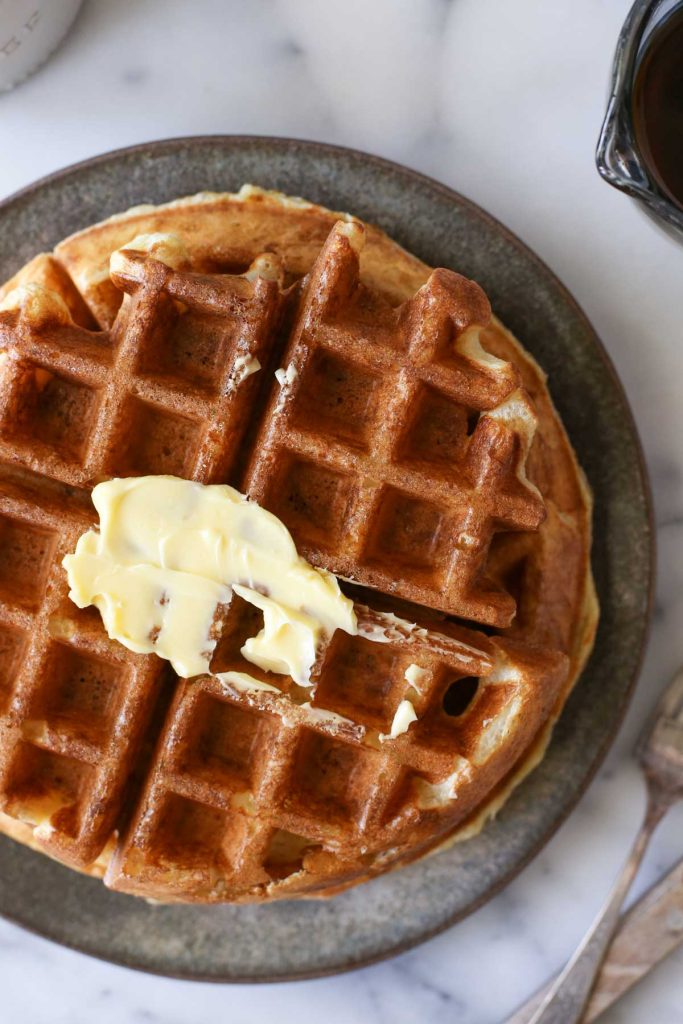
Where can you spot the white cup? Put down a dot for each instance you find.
(29, 31)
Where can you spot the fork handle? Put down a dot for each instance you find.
(566, 1000)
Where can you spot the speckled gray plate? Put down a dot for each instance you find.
(291, 940)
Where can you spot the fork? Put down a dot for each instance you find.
(660, 752)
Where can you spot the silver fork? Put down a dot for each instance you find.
(660, 751)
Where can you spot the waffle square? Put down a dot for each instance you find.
(269, 780)
(395, 448)
(78, 406)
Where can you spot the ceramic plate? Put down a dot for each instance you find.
(390, 914)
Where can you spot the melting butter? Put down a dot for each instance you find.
(244, 682)
(244, 367)
(286, 377)
(403, 719)
(170, 551)
(416, 677)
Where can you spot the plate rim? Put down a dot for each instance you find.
(168, 145)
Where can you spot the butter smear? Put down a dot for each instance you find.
(169, 552)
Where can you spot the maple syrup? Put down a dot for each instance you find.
(658, 106)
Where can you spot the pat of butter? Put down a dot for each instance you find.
(170, 551)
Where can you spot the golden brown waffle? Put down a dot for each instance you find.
(162, 392)
(252, 795)
(374, 452)
(74, 704)
(223, 233)
(255, 795)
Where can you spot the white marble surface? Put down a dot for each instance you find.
(502, 101)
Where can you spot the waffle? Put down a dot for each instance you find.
(77, 407)
(254, 795)
(223, 233)
(395, 446)
(230, 793)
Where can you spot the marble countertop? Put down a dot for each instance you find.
(502, 101)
